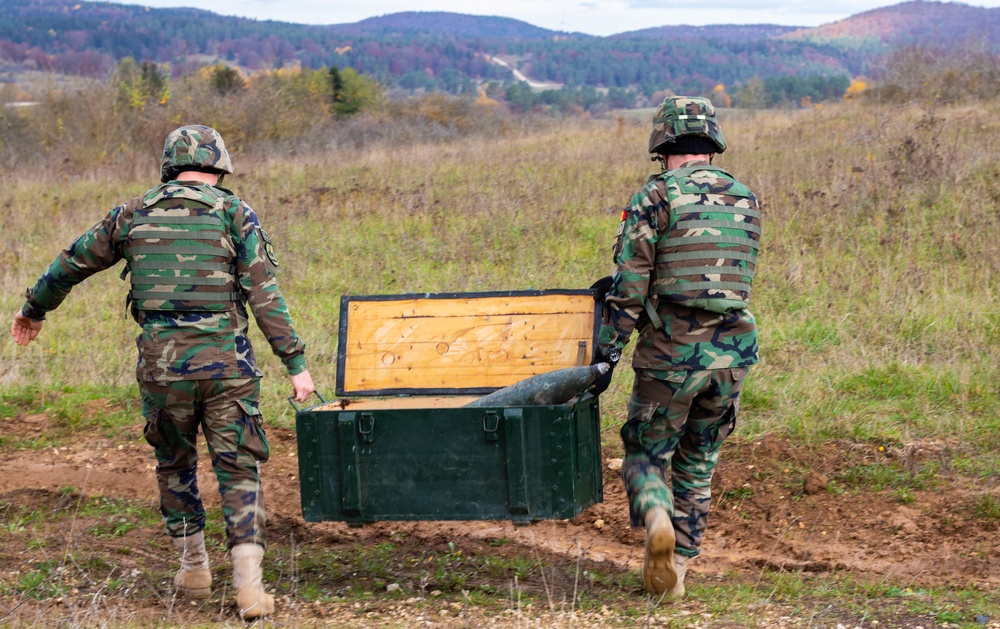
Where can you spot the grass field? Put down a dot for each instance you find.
(876, 296)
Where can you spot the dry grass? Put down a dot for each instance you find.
(876, 298)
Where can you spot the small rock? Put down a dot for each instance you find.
(392, 587)
(598, 524)
(614, 464)
(815, 483)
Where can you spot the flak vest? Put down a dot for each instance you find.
(179, 252)
(707, 259)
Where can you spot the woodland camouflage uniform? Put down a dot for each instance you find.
(196, 365)
(684, 256)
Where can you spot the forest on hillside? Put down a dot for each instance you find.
(415, 53)
(89, 39)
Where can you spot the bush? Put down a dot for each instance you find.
(937, 75)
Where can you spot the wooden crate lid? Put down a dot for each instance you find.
(460, 342)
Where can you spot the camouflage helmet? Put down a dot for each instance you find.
(194, 147)
(687, 117)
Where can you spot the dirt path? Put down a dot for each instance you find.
(775, 506)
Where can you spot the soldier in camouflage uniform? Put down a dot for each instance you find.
(685, 256)
(198, 258)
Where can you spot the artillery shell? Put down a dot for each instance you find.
(555, 387)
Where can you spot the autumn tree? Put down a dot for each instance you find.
(352, 92)
(226, 80)
(138, 85)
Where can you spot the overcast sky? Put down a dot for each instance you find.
(595, 17)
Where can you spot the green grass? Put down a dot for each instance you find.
(842, 598)
(987, 509)
(882, 476)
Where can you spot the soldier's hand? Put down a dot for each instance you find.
(303, 385)
(601, 288)
(601, 355)
(24, 330)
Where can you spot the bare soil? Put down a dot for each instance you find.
(778, 506)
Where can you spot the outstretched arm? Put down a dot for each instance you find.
(94, 251)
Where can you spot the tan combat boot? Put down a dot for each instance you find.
(251, 600)
(658, 570)
(681, 565)
(194, 578)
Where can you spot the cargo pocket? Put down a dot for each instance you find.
(252, 440)
(729, 421)
(726, 426)
(152, 431)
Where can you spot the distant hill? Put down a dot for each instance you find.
(741, 32)
(417, 23)
(918, 21)
(457, 53)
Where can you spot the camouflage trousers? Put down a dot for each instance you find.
(227, 412)
(677, 421)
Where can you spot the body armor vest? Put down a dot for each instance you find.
(179, 251)
(707, 259)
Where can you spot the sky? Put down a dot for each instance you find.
(594, 17)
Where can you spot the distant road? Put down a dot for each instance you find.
(535, 85)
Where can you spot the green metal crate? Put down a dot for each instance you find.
(397, 444)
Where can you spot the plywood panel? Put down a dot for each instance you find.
(463, 342)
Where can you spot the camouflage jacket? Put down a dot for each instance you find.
(691, 338)
(186, 345)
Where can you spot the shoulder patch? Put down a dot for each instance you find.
(268, 248)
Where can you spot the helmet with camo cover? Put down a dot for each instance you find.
(685, 124)
(194, 147)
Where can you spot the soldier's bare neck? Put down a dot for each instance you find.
(194, 175)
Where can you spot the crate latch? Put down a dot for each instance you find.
(581, 353)
(491, 421)
(366, 426)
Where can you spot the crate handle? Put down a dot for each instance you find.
(491, 422)
(366, 426)
(291, 400)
